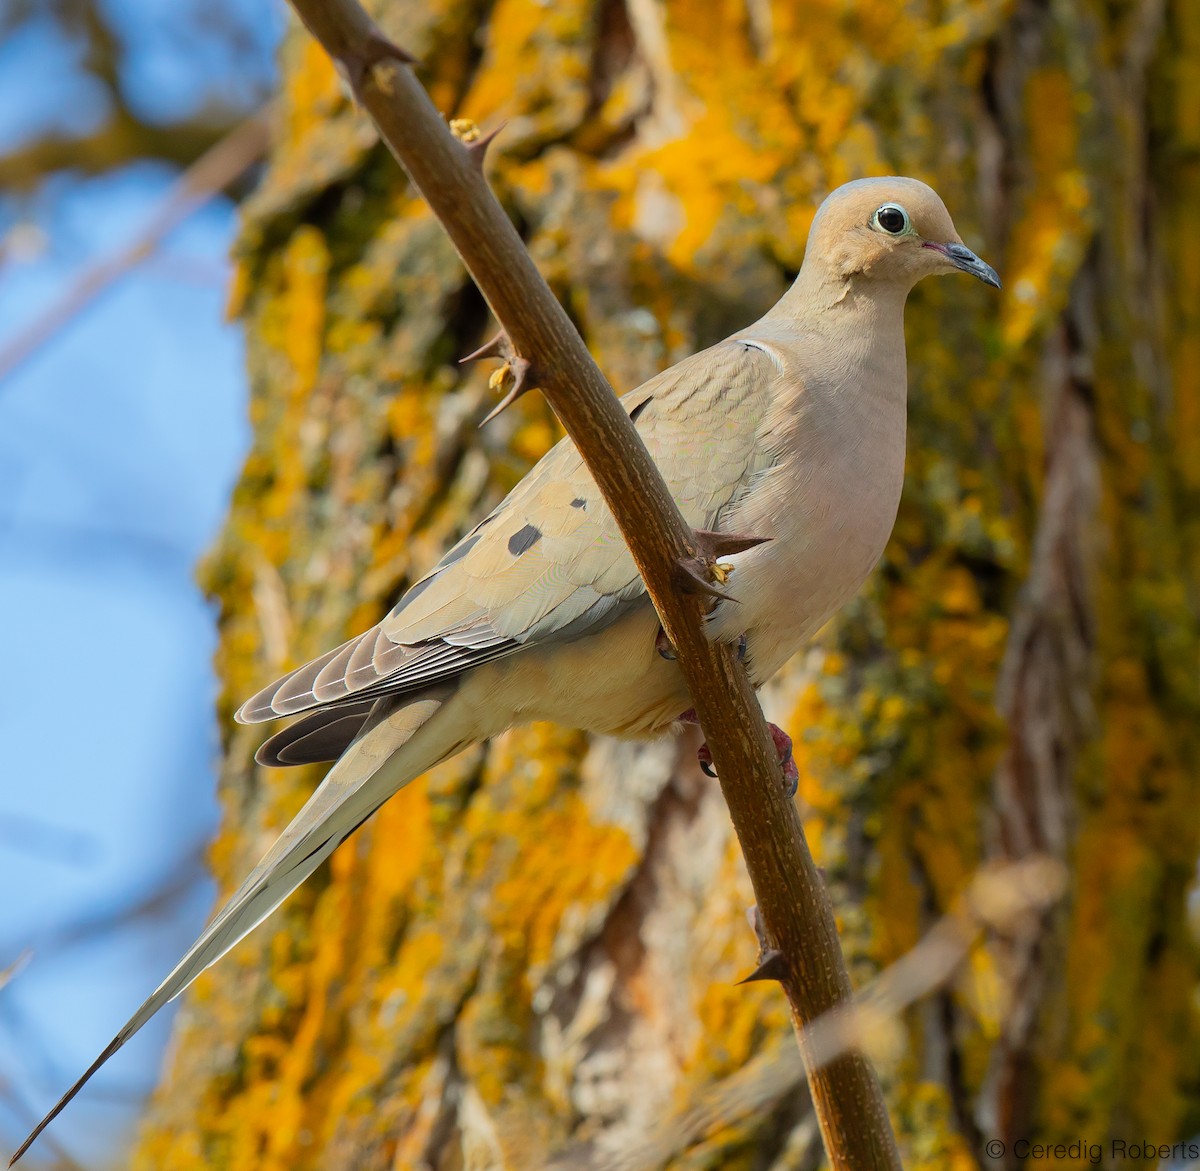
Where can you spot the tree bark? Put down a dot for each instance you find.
(532, 953)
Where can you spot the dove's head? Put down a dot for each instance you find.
(893, 230)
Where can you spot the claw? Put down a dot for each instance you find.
(783, 747)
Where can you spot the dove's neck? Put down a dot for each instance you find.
(855, 326)
(821, 294)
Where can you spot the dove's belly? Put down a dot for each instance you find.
(617, 684)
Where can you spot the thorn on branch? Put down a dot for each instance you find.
(497, 347)
(513, 378)
(376, 57)
(478, 146)
(712, 545)
(771, 966)
(467, 131)
(691, 577)
(694, 575)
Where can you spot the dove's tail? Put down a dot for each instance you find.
(400, 740)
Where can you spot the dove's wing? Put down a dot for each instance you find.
(549, 563)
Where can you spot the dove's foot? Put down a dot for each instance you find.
(783, 746)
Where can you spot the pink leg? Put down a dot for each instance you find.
(783, 746)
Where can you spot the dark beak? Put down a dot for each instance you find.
(965, 260)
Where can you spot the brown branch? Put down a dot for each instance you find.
(795, 910)
(214, 170)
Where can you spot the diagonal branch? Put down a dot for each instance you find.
(795, 911)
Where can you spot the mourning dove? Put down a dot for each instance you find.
(793, 429)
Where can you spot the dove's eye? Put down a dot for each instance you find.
(893, 219)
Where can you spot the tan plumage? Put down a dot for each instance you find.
(792, 429)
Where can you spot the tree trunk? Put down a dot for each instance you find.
(530, 955)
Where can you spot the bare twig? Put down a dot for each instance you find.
(796, 912)
(214, 170)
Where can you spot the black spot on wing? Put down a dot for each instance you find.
(579, 502)
(524, 539)
(633, 415)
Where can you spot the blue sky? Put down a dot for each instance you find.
(119, 444)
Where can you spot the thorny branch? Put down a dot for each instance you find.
(795, 910)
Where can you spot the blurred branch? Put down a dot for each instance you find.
(125, 136)
(63, 1160)
(30, 835)
(160, 902)
(13, 969)
(122, 139)
(209, 174)
(542, 347)
(8, 1090)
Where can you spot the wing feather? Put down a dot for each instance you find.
(549, 563)
(320, 735)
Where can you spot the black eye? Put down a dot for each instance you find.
(892, 218)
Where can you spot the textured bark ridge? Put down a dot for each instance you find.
(531, 954)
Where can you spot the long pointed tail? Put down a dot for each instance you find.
(397, 744)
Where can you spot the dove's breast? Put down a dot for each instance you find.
(828, 502)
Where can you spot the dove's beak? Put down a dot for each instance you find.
(965, 260)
